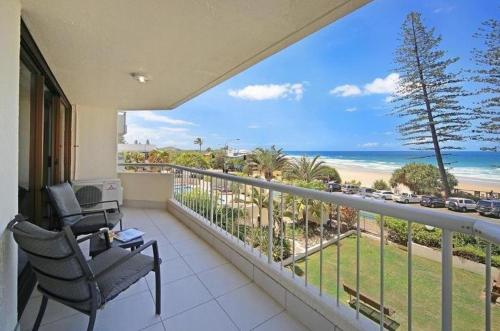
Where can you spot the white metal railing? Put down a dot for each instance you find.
(217, 197)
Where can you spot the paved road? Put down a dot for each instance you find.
(472, 214)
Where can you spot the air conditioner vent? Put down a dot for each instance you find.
(87, 194)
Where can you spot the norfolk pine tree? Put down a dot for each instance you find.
(487, 76)
(427, 94)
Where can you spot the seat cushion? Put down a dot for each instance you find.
(92, 223)
(124, 275)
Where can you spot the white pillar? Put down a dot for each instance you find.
(10, 17)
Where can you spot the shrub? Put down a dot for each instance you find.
(476, 254)
(397, 231)
(380, 184)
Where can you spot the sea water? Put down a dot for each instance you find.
(468, 164)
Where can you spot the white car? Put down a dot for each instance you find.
(385, 195)
(350, 189)
(367, 192)
(460, 204)
(406, 198)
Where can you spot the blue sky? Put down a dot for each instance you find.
(327, 92)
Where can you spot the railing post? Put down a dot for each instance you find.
(488, 288)
(211, 200)
(270, 222)
(446, 280)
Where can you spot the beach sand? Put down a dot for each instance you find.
(367, 177)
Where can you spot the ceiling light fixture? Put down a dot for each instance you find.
(141, 78)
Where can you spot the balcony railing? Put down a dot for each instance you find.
(277, 220)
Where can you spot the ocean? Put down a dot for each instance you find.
(466, 164)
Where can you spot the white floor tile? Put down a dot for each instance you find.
(182, 295)
(187, 247)
(54, 312)
(206, 260)
(170, 270)
(223, 279)
(130, 314)
(167, 252)
(282, 322)
(249, 306)
(155, 327)
(208, 316)
(181, 235)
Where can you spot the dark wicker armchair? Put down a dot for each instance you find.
(65, 276)
(69, 212)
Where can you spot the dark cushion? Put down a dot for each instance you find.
(120, 278)
(92, 223)
(64, 200)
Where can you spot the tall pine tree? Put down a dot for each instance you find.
(428, 94)
(487, 76)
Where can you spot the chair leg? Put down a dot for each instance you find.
(158, 290)
(121, 225)
(39, 317)
(92, 318)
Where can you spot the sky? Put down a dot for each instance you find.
(329, 91)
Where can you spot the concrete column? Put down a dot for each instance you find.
(10, 16)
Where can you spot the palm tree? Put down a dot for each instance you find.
(266, 161)
(198, 141)
(306, 169)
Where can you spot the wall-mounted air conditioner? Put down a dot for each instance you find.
(94, 190)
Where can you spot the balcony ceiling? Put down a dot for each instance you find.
(185, 46)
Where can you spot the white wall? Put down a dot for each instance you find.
(146, 189)
(96, 140)
(10, 13)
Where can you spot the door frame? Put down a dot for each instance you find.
(32, 57)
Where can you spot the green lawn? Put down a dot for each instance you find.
(468, 295)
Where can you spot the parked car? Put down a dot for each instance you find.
(334, 187)
(406, 198)
(385, 195)
(367, 192)
(431, 201)
(460, 204)
(350, 189)
(488, 207)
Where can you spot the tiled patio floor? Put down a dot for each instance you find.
(201, 290)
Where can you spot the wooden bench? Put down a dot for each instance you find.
(495, 292)
(371, 308)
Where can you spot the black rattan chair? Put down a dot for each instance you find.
(68, 211)
(65, 276)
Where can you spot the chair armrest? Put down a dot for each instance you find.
(129, 256)
(85, 213)
(87, 237)
(101, 202)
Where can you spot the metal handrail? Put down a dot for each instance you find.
(453, 222)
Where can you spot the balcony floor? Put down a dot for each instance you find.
(201, 290)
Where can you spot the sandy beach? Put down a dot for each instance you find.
(368, 176)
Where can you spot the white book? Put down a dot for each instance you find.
(128, 235)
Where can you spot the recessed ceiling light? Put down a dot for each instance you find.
(140, 77)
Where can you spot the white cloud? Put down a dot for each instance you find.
(387, 85)
(269, 92)
(346, 90)
(388, 133)
(369, 144)
(254, 126)
(154, 117)
(352, 109)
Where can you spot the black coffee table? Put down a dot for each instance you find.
(98, 244)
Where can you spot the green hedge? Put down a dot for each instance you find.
(476, 254)
(466, 246)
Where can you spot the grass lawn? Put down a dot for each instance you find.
(468, 295)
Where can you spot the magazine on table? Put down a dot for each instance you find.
(128, 234)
